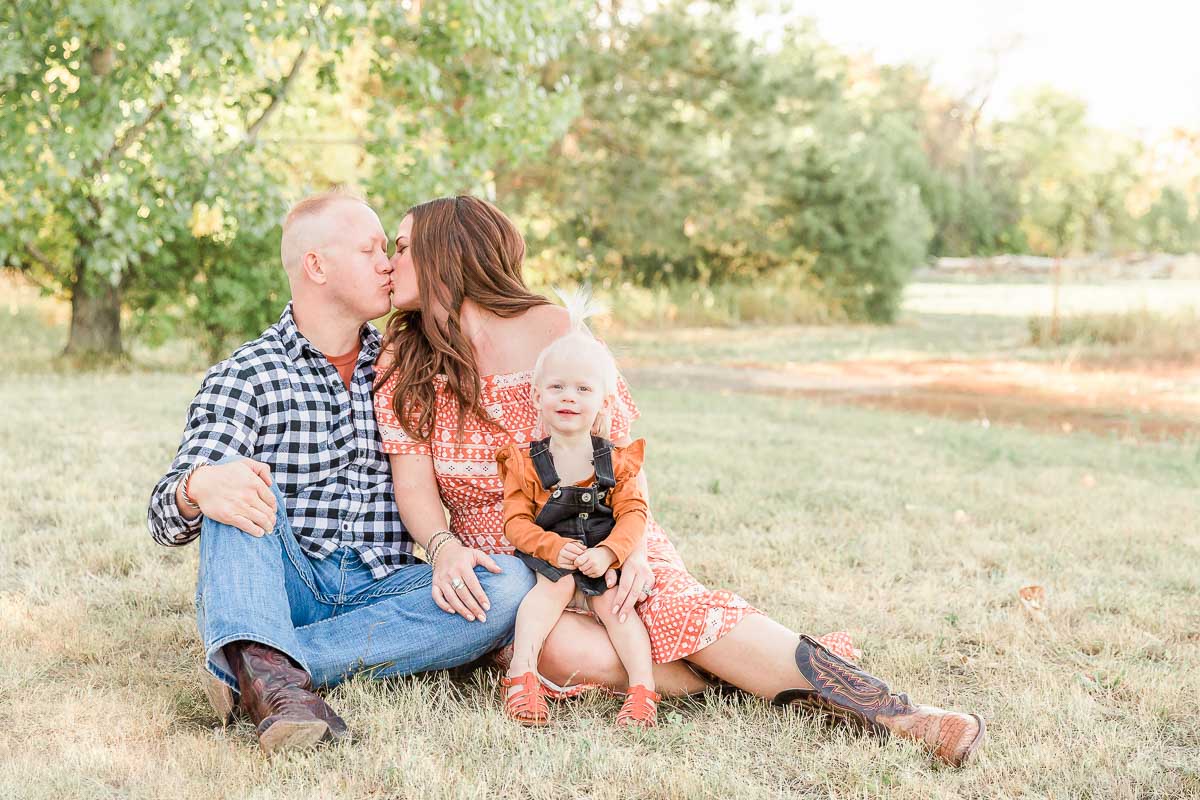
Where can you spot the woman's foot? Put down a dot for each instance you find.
(846, 691)
(524, 700)
(640, 709)
(952, 737)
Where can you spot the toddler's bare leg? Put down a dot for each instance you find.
(538, 613)
(629, 639)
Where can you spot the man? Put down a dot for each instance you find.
(306, 573)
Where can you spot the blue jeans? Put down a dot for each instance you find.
(331, 616)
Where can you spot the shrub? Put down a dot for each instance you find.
(1142, 330)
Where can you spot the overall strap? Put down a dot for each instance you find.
(543, 462)
(602, 461)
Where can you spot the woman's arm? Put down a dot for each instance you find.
(421, 510)
(636, 576)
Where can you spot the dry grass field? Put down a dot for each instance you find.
(912, 532)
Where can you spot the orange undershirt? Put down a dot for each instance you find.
(345, 364)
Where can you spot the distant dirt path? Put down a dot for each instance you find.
(1154, 402)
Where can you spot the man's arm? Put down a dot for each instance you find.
(222, 422)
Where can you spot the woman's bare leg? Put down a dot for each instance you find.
(761, 656)
(758, 655)
(578, 650)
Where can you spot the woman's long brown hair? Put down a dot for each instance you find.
(463, 248)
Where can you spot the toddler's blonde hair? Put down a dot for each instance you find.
(579, 343)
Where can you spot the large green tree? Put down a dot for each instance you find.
(149, 150)
(1072, 178)
(702, 155)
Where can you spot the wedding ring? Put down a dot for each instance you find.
(646, 590)
(457, 584)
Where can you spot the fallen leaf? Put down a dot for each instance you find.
(1033, 599)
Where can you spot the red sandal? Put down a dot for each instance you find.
(640, 709)
(528, 704)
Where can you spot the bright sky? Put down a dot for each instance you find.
(1134, 63)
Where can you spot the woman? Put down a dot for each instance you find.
(453, 388)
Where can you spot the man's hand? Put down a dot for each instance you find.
(570, 551)
(595, 561)
(237, 493)
(456, 588)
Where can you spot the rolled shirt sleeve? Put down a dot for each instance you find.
(222, 422)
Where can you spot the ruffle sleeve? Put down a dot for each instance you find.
(627, 461)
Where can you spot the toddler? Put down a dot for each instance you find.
(573, 510)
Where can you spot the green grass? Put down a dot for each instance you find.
(827, 517)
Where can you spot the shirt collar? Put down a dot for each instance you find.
(297, 344)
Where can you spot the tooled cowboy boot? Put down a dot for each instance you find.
(277, 696)
(845, 691)
(224, 704)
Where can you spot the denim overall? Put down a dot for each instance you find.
(575, 512)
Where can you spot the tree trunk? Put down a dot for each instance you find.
(95, 318)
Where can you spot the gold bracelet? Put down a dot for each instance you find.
(436, 542)
(433, 540)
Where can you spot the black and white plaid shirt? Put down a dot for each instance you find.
(280, 401)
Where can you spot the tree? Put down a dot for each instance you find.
(700, 155)
(141, 157)
(1046, 142)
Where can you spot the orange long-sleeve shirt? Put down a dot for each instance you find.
(524, 498)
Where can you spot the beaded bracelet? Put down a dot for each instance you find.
(435, 539)
(436, 543)
(438, 549)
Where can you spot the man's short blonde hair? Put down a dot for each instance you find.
(292, 242)
(315, 204)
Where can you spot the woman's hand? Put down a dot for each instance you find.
(456, 567)
(636, 581)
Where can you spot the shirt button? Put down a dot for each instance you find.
(557, 492)
(345, 526)
(583, 515)
(587, 496)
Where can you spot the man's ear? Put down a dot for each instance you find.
(314, 268)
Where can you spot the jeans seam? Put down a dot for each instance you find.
(381, 593)
(363, 602)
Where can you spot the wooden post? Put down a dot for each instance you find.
(1054, 306)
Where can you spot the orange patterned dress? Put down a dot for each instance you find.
(681, 615)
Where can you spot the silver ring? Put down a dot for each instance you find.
(457, 584)
(646, 590)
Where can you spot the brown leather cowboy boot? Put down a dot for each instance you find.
(224, 704)
(845, 691)
(277, 696)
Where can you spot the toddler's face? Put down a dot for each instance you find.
(570, 394)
